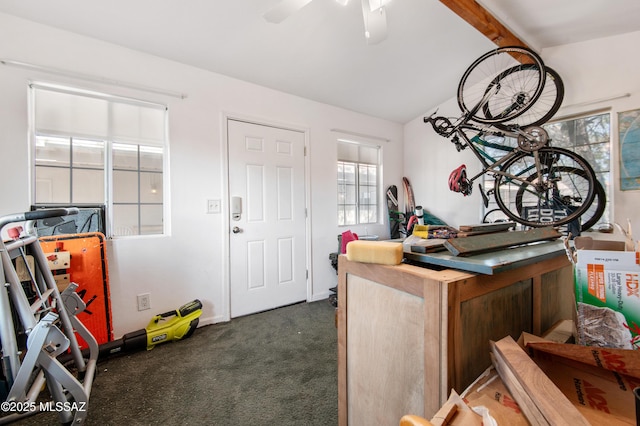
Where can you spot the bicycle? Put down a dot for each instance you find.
(534, 184)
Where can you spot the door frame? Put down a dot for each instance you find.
(226, 222)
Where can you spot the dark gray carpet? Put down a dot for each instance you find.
(273, 368)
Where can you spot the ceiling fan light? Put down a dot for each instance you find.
(342, 2)
(375, 23)
(377, 4)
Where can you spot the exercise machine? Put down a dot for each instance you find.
(38, 326)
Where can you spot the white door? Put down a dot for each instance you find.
(267, 244)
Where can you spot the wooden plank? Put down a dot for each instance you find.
(536, 284)
(483, 243)
(436, 362)
(445, 414)
(411, 280)
(342, 342)
(522, 373)
(430, 245)
(385, 358)
(526, 404)
(485, 315)
(487, 227)
(483, 21)
(557, 297)
(464, 234)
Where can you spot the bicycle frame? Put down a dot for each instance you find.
(457, 131)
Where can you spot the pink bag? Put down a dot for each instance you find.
(347, 237)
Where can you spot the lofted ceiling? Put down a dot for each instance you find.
(320, 52)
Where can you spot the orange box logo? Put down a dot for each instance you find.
(631, 281)
(595, 279)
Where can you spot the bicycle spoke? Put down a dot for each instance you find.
(556, 192)
(544, 107)
(501, 84)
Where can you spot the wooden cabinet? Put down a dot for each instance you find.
(407, 334)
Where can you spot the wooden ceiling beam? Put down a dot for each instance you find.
(482, 20)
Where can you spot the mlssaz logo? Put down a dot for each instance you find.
(631, 280)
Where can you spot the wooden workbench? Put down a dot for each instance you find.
(407, 334)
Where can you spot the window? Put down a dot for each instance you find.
(358, 183)
(91, 148)
(590, 137)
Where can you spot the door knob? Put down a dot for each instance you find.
(236, 230)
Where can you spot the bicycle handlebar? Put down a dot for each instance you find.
(37, 214)
(442, 125)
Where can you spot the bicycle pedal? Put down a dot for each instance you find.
(485, 198)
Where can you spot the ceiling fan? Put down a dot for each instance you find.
(373, 12)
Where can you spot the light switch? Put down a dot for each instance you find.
(213, 206)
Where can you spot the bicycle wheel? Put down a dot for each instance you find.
(594, 211)
(543, 109)
(495, 216)
(551, 192)
(491, 79)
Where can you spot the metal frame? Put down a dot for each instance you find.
(50, 325)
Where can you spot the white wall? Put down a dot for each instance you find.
(190, 263)
(590, 71)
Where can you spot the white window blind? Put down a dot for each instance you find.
(82, 114)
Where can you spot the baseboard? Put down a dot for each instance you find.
(211, 320)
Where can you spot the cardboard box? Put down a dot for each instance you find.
(598, 381)
(607, 294)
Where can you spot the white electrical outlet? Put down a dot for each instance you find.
(144, 302)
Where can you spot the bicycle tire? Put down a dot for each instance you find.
(514, 93)
(496, 216)
(558, 199)
(594, 211)
(545, 106)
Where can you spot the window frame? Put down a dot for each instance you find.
(604, 176)
(359, 186)
(161, 143)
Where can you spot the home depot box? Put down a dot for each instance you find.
(607, 294)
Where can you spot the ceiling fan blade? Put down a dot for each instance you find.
(284, 9)
(375, 23)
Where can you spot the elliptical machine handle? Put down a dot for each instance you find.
(37, 214)
(46, 213)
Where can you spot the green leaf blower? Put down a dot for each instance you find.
(166, 327)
